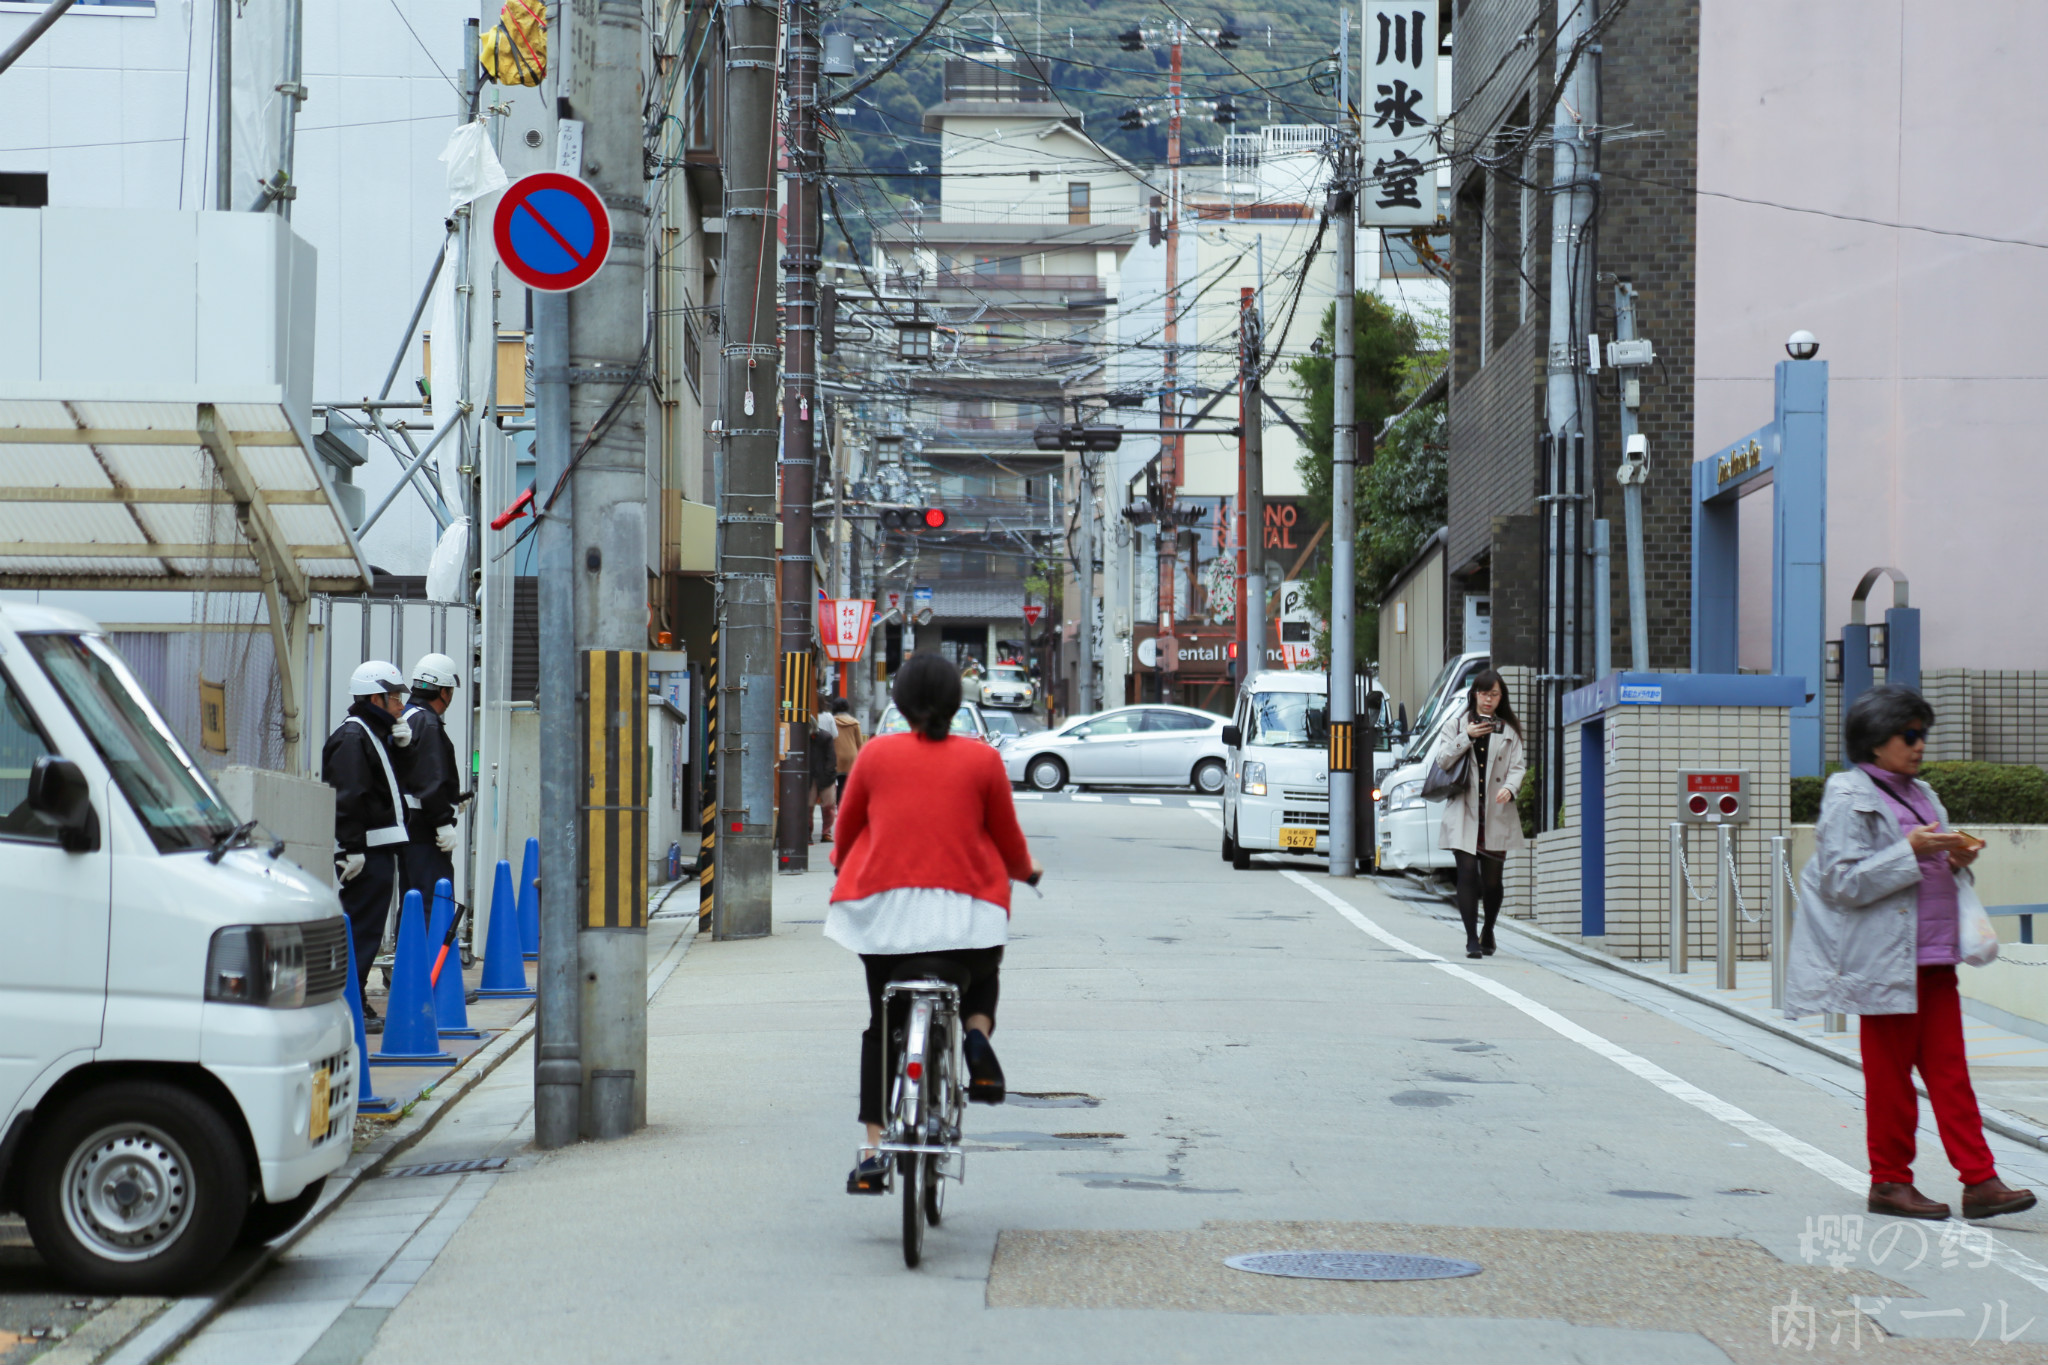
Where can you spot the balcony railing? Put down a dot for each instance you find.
(974, 279)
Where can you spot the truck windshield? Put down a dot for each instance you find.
(1288, 720)
(173, 798)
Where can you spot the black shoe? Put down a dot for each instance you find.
(1472, 949)
(373, 1022)
(984, 1072)
(1486, 945)
(870, 1176)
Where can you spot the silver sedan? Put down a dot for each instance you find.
(1134, 746)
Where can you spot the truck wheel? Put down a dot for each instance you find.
(1229, 847)
(135, 1188)
(266, 1222)
(1240, 857)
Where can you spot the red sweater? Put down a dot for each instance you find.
(921, 814)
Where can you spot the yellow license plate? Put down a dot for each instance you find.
(1298, 836)
(318, 1129)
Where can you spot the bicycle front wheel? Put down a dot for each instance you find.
(934, 1193)
(915, 1171)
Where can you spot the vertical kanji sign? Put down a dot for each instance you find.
(843, 627)
(1397, 110)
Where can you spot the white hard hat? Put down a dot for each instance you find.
(374, 679)
(435, 670)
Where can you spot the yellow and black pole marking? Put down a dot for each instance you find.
(707, 820)
(1340, 746)
(798, 694)
(615, 794)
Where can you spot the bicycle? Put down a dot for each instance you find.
(927, 1101)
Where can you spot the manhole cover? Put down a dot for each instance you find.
(1352, 1265)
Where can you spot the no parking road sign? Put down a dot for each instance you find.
(552, 231)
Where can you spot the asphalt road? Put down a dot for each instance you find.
(1206, 1063)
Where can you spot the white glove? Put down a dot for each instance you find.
(401, 732)
(351, 865)
(444, 838)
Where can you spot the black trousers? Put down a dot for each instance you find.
(367, 902)
(1479, 878)
(979, 967)
(420, 865)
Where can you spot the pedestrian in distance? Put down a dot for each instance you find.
(928, 846)
(823, 739)
(1480, 824)
(1877, 935)
(432, 782)
(846, 741)
(361, 761)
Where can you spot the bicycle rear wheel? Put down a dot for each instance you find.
(914, 1170)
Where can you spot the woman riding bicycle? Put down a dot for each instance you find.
(928, 844)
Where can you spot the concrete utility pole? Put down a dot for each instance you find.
(1634, 472)
(1343, 525)
(1571, 313)
(223, 105)
(1251, 488)
(1084, 557)
(799, 458)
(746, 508)
(1166, 667)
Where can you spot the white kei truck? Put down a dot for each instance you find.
(177, 1055)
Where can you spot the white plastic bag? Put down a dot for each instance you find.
(473, 167)
(1974, 934)
(450, 558)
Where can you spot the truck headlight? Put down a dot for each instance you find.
(257, 964)
(1251, 779)
(1402, 795)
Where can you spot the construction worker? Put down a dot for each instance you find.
(433, 782)
(369, 806)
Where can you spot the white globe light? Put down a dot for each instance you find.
(1802, 345)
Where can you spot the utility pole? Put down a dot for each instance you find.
(1084, 630)
(799, 457)
(1166, 667)
(1251, 487)
(1635, 467)
(1571, 312)
(746, 509)
(224, 105)
(1343, 529)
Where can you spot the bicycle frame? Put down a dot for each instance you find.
(927, 1101)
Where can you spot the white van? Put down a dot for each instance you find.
(177, 1058)
(1407, 825)
(1276, 798)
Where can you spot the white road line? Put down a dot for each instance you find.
(1805, 1153)
(1146, 801)
(1083, 796)
(1212, 818)
(1027, 796)
(1199, 804)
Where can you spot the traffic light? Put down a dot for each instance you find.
(1155, 231)
(1131, 40)
(934, 518)
(1131, 120)
(1076, 436)
(894, 519)
(828, 318)
(1227, 39)
(1226, 111)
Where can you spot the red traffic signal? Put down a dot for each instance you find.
(935, 518)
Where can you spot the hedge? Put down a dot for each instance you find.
(1973, 793)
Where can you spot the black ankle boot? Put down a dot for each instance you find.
(984, 1072)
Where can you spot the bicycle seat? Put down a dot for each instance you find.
(932, 969)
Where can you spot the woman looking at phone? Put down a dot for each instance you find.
(1481, 824)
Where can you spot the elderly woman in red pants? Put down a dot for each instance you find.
(1877, 935)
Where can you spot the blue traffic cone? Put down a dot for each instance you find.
(529, 902)
(504, 966)
(367, 1099)
(410, 1035)
(451, 1011)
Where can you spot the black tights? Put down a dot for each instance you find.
(1479, 876)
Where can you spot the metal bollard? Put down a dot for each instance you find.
(1781, 921)
(1679, 962)
(1834, 1023)
(1724, 908)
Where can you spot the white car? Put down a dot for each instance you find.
(1007, 685)
(1132, 746)
(966, 721)
(1407, 825)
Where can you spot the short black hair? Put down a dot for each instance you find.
(927, 692)
(840, 706)
(1877, 715)
(423, 694)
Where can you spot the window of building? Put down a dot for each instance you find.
(24, 189)
(1077, 204)
(133, 9)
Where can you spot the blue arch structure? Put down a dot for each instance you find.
(1789, 455)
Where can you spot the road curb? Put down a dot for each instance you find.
(184, 1318)
(1999, 1121)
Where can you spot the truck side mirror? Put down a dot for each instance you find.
(60, 798)
(1233, 738)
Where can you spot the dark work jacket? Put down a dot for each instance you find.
(364, 813)
(433, 780)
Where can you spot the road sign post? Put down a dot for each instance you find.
(552, 231)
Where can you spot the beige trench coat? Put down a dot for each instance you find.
(1504, 764)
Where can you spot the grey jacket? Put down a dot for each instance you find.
(1504, 766)
(1856, 933)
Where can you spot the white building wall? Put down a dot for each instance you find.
(988, 162)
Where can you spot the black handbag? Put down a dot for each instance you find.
(1442, 784)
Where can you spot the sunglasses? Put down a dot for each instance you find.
(1916, 735)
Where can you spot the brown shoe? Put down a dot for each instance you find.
(1994, 1197)
(1905, 1202)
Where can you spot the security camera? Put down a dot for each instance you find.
(1635, 460)
(1802, 345)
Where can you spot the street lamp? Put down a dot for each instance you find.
(1802, 345)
